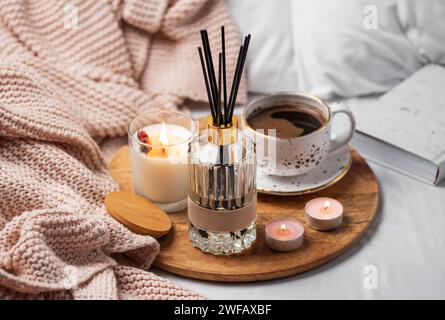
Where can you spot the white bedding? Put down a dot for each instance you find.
(406, 244)
(270, 59)
(339, 47)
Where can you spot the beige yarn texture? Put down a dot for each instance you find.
(65, 86)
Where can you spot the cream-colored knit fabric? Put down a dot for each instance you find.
(62, 90)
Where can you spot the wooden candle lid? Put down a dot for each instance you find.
(137, 214)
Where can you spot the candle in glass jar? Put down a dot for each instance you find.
(323, 213)
(284, 234)
(160, 164)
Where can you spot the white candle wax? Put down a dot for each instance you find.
(160, 175)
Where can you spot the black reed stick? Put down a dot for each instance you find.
(214, 89)
(210, 68)
(220, 113)
(235, 75)
(223, 49)
(240, 73)
(206, 80)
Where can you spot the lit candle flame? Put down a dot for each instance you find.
(327, 204)
(163, 138)
(283, 228)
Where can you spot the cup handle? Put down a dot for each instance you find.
(341, 139)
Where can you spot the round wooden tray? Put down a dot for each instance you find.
(358, 191)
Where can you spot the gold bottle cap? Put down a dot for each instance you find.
(222, 134)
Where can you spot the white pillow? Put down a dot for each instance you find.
(336, 54)
(322, 46)
(424, 25)
(270, 62)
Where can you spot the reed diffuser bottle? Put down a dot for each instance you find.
(222, 166)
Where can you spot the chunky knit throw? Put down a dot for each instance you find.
(73, 73)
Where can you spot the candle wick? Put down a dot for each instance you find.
(326, 206)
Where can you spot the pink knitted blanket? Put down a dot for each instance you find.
(71, 74)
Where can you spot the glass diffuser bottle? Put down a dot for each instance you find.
(221, 165)
(222, 190)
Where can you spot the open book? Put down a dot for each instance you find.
(405, 128)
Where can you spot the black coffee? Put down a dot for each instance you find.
(289, 120)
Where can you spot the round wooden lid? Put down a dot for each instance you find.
(137, 213)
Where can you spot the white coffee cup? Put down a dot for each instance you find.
(290, 156)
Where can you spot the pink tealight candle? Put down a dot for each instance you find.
(284, 234)
(323, 213)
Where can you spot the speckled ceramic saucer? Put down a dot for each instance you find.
(331, 169)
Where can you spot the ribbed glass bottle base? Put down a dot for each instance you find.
(223, 242)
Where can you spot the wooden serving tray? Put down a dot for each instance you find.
(358, 192)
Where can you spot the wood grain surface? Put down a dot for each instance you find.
(137, 213)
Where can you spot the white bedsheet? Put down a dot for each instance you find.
(406, 243)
